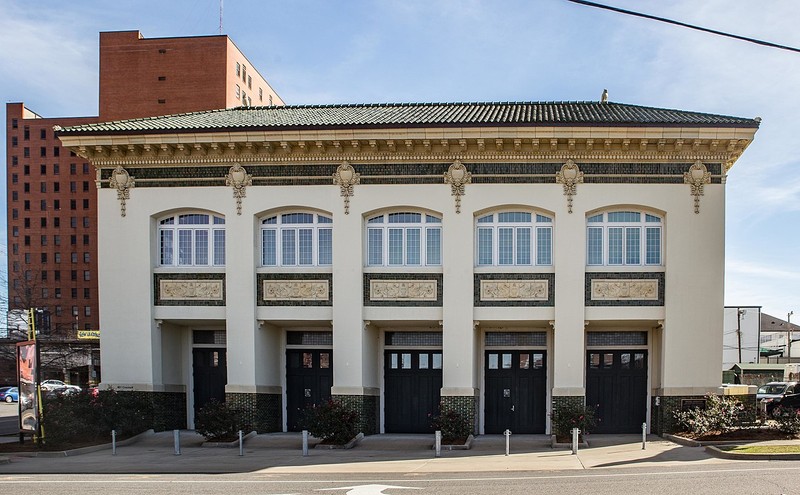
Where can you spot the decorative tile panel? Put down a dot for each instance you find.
(403, 289)
(620, 290)
(624, 289)
(514, 289)
(294, 289)
(189, 289)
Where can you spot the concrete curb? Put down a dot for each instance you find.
(554, 444)
(688, 442)
(229, 445)
(349, 445)
(466, 446)
(740, 456)
(84, 450)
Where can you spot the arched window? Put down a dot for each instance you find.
(404, 239)
(514, 238)
(192, 239)
(297, 239)
(623, 238)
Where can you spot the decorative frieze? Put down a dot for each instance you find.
(569, 176)
(403, 290)
(122, 181)
(621, 290)
(697, 177)
(514, 290)
(191, 290)
(296, 290)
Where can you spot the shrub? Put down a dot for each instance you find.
(218, 421)
(330, 422)
(721, 414)
(566, 417)
(788, 419)
(85, 418)
(453, 425)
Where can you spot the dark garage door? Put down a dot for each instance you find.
(616, 384)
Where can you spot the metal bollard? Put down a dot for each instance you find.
(176, 435)
(305, 443)
(241, 444)
(113, 442)
(507, 433)
(644, 435)
(575, 432)
(437, 443)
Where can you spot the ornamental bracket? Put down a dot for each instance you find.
(697, 176)
(570, 176)
(457, 176)
(123, 183)
(239, 179)
(346, 177)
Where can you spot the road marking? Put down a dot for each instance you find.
(367, 489)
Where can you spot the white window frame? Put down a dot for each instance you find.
(490, 222)
(647, 222)
(283, 222)
(213, 227)
(387, 226)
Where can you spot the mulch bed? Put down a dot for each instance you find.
(30, 446)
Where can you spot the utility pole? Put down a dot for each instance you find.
(789, 343)
(740, 312)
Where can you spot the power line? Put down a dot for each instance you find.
(683, 24)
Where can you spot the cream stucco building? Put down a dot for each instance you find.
(501, 259)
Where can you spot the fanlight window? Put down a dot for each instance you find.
(514, 238)
(297, 239)
(192, 239)
(624, 238)
(404, 239)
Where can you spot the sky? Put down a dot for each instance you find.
(360, 51)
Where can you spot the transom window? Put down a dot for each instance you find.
(404, 239)
(297, 239)
(192, 239)
(514, 238)
(624, 238)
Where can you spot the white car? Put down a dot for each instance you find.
(60, 386)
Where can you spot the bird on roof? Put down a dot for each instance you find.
(604, 96)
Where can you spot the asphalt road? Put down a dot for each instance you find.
(765, 477)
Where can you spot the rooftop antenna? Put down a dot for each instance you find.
(220, 16)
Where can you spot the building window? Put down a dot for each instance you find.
(162, 78)
(86, 168)
(86, 257)
(14, 124)
(86, 186)
(14, 141)
(238, 69)
(404, 239)
(260, 94)
(86, 204)
(87, 311)
(56, 187)
(43, 151)
(26, 152)
(14, 178)
(238, 92)
(42, 133)
(43, 205)
(56, 222)
(270, 100)
(43, 169)
(26, 133)
(87, 293)
(86, 222)
(56, 151)
(297, 239)
(192, 239)
(87, 275)
(249, 82)
(623, 238)
(244, 73)
(55, 169)
(512, 238)
(26, 170)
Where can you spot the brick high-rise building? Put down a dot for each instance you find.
(51, 197)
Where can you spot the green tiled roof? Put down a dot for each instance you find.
(415, 115)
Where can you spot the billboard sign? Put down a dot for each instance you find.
(27, 365)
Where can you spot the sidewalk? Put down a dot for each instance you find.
(282, 453)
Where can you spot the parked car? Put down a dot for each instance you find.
(50, 385)
(9, 394)
(771, 395)
(791, 401)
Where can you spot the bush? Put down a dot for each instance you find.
(83, 418)
(721, 414)
(453, 425)
(330, 422)
(788, 419)
(566, 417)
(218, 421)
